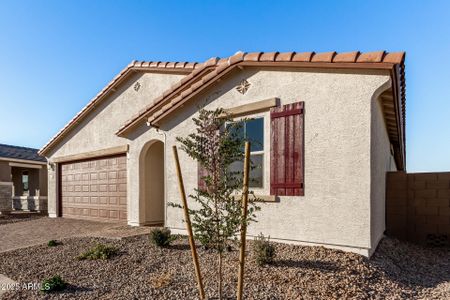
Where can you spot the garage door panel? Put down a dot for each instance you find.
(95, 189)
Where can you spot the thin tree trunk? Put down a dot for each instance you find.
(220, 275)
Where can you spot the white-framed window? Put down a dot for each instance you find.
(253, 131)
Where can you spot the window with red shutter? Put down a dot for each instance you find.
(253, 131)
(287, 150)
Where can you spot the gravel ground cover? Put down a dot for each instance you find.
(38, 231)
(19, 217)
(398, 270)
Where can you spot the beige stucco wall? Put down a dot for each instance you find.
(382, 161)
(97, 131)
(5, 171)
(339, 122)
(335, 210)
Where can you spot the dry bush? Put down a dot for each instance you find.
(161, 280)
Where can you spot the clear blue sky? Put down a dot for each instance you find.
(56, 55)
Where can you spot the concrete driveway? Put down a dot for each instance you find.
(38, 231)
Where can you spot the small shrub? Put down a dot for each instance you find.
(204, 241)
(100, 251)
(52, 243)
(53, 284)
(264, 251)
(161, 237)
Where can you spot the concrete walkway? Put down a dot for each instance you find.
(39, 231)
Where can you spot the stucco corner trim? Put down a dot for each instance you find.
(93, 154)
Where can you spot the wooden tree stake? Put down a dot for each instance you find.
(188, 225)
(240, 286)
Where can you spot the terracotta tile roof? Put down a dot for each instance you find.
(195, 81)
(134, 66)
(16, 152)
(202, 75)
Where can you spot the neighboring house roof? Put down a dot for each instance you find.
(15, 152)
(134, 66)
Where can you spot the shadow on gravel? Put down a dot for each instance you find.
(15, 217)
(179, 247)
(72, 289)
(308, 264)
(412, 265)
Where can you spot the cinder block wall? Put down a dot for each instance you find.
(418, 207)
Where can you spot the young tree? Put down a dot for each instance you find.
(217, 146)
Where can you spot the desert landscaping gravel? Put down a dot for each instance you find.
(398, 270)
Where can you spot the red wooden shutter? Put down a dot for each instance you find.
(201, 172)
(287, 150)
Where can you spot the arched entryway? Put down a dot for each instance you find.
(152, 184)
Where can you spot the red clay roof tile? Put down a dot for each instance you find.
(219, 65)
(238, 57)
(285, 56)
(223, 61)
(179, 65)
(373, 57)
(211, 62)
(394, 57)
(170, 65)
(347, 57)
(185, 93)
(209, 76)
(302, 57)
(268, 56)
(253, 56)
(197, 85)
(323, 57)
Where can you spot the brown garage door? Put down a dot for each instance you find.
(95, 189)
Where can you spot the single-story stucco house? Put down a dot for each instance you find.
(23, 179)
(330, 126)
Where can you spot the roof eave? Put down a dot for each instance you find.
(394, 68)
(134, 66)
(317, 65)
(137, 119)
